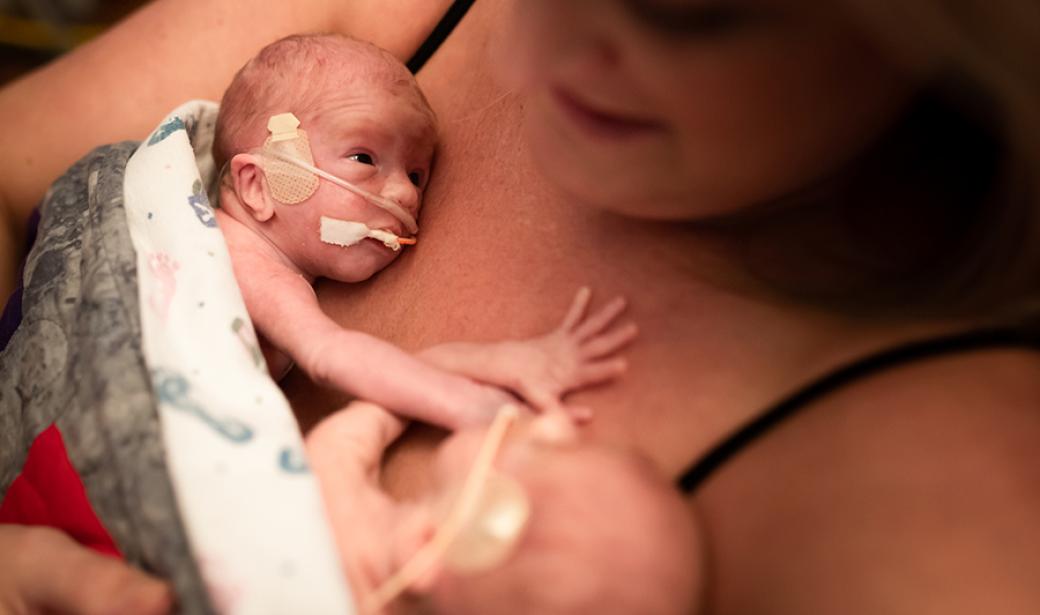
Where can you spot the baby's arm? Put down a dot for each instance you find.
(345, 451)
(285, 310)
(580, 352)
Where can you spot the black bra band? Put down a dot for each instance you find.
(857, 370)
(440, 33)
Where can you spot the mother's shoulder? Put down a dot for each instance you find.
(399, 26)
(961, 423)
(968, 419)
(978, 398)
(913, 490)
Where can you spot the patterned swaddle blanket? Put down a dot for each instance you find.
(136, 344)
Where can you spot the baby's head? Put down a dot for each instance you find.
(606, 534)
(362, 119)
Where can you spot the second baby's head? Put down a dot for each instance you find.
(605, 532)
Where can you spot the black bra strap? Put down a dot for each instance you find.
(914, 351)
(444, 28)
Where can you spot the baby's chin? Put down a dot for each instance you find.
(360, 262)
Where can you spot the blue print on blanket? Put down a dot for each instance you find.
(168, 128)
(200, 203)
(292, 461)
(245, 335)
(172, 388)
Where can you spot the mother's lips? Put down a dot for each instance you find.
(602, 122)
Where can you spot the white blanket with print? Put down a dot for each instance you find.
(251, 507)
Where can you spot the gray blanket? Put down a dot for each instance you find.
(76, 361)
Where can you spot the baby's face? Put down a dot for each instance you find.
(550, 539)
(379, 140)
(588, 503)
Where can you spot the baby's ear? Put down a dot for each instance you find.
(251, 186)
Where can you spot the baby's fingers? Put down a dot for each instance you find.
(579, 414)
(577, 310)
(541, 399)
(610, 342)
(601, 319)
(601, 372)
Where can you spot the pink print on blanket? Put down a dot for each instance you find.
(164, 272)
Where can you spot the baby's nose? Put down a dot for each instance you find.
(402, 191)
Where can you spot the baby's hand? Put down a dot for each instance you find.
(581, 352)
(479, 406)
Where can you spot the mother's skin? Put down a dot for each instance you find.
(846, 501)
(911, 492)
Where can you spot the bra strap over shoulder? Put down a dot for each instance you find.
(440, 33)
(862, 368)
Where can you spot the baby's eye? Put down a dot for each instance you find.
(362, 158)
(416, 178)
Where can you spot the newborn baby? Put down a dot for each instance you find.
(523, 520)
(326, 144)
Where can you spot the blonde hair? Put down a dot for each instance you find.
(941, 215)
(991, 49)
(995, 43)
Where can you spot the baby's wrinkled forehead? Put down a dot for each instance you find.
(373, 107)
(299, 73)
(415, 119)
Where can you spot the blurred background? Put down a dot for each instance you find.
(35, 31)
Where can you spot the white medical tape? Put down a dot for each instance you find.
(347, 233)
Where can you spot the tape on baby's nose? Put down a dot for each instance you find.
(288, 183)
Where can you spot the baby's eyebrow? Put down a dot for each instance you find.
(360, 130)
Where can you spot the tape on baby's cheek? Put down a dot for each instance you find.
(288, 183)
(342, 232)
(346, 233)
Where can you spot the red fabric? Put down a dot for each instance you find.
(49, 492)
